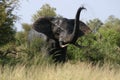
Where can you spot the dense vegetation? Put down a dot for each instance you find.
(101, 46)
(7, 20)
(98, 59)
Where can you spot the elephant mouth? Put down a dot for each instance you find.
(62, 44)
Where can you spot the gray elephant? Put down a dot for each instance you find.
(61, 32)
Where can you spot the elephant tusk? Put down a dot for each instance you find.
(79, 46)
(62, 44)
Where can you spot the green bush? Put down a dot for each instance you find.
(12, 54)
(8, 54)
(20, 38)
(102, 46)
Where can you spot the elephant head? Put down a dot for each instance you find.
(63, 30)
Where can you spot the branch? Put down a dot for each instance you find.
(79, 46)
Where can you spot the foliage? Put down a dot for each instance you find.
(7, 19)
(45, 10)
(102, 46)
(13, 54)
(95, 24)
(26, 27)
(37, 46)
(8, 54)
(22, 36)
(112, 23)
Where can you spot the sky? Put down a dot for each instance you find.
(101, 9)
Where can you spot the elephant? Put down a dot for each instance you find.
(60, 32)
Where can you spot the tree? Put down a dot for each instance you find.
(113, 22)
(22, 36)
(27, 28)
(112, 30)
(45, 10)
(95, 24)
(7, 19)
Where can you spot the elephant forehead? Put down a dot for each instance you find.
(63, 24)
(58, 22)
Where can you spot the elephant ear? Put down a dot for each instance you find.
(84, 29)
(43, 25)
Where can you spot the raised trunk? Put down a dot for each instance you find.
(74, 34)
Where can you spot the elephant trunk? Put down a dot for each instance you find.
(74, 34)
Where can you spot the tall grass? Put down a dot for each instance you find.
(68, 71)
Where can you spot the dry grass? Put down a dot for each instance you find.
(68, 71)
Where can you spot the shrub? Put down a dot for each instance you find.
(101, 47)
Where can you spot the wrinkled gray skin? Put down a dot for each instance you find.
(61, 32)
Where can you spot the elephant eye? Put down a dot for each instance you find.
(59, 30)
